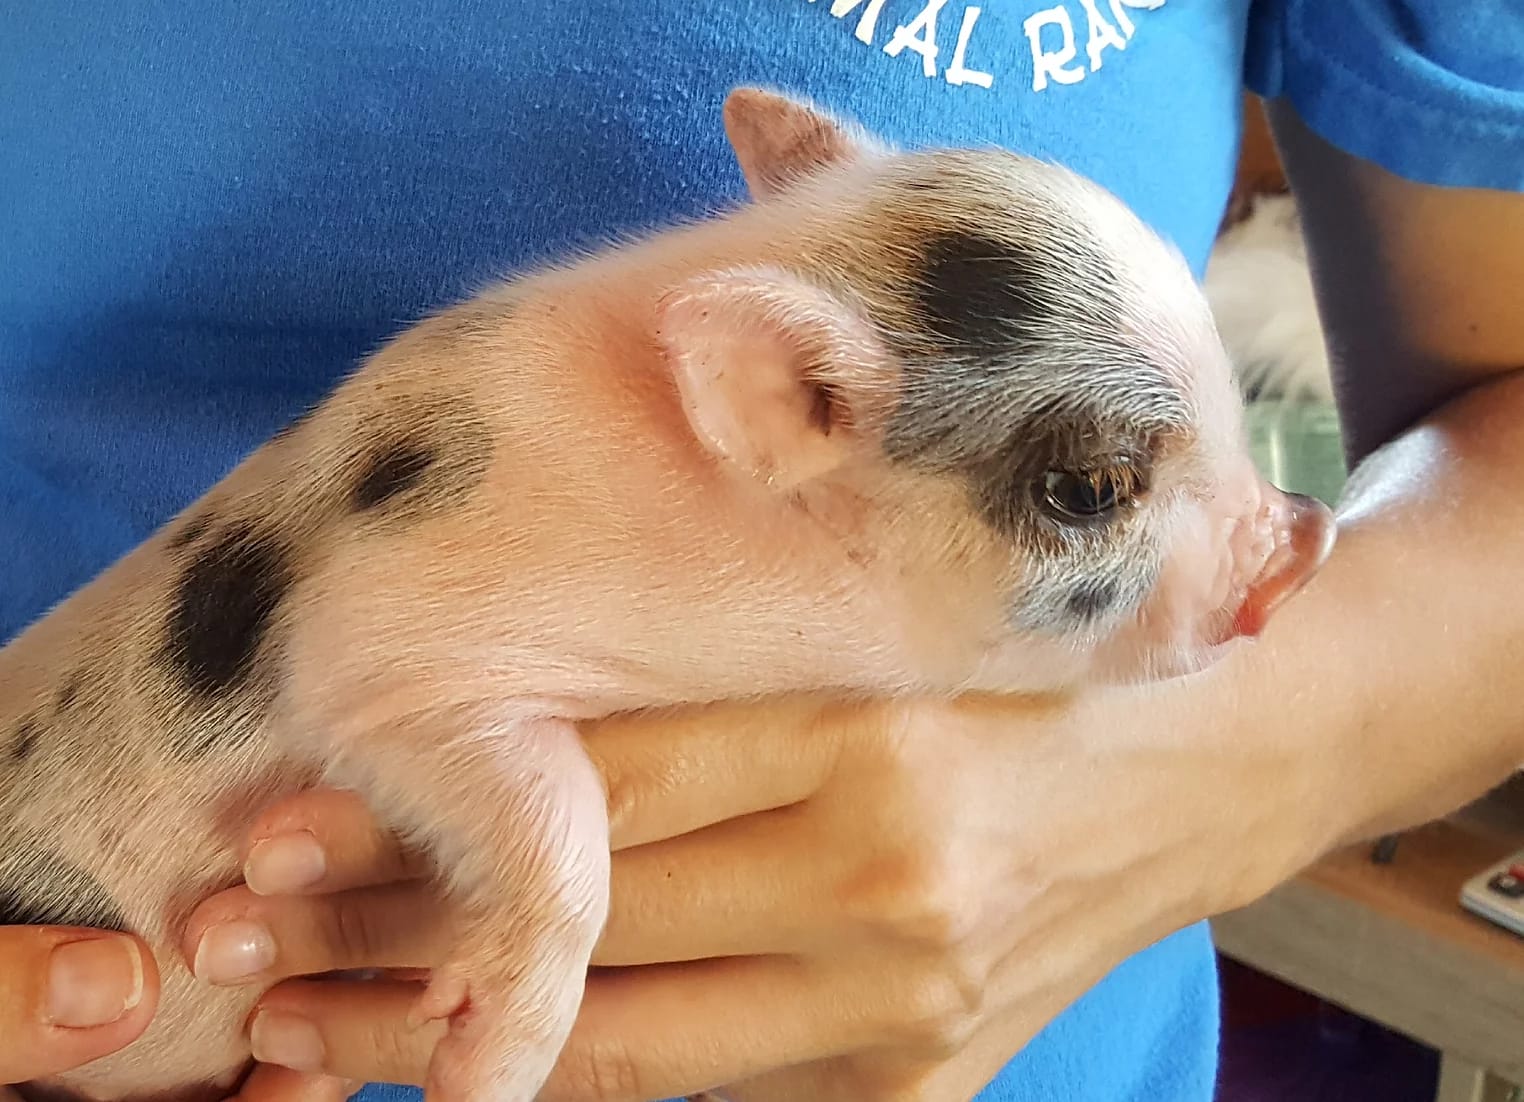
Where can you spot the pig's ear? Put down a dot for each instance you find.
(778, 140)
(777, 377)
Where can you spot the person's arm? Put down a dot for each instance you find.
(1406, 652)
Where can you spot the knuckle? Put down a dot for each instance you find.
(909, 715)
(940, 1012)
(920, 899)
(401, 1054)
(890, 728)
(352, 931)
(632, 790)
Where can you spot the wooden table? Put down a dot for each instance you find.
(1392, 944)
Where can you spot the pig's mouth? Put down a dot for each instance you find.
(1277, 584)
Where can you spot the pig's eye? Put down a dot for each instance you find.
(1089, 494)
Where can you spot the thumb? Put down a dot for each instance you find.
(69, 996)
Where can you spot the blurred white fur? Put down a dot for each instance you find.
(1260, 290)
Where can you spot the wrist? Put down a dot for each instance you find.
(1359, 711)
(1272, 802)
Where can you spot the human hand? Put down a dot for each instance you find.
(888, 901)
(69, 996)
(816, 900)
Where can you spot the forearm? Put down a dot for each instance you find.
(1394, 672)
(1397, 672)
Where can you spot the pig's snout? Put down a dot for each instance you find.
(1302, 533)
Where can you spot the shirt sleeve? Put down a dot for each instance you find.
(1431, 90)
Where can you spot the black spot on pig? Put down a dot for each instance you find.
(28, 732)
(42, 889)
(222, 610)
(979, 296)
(391, 470)
(1091, 600)
(193, 529)
(68, 692)
(437, 451)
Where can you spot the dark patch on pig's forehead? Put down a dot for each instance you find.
(983, 294)
(38, 888)
(1014, 360)
(977, 295)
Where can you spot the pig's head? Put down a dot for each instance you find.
(1019, 385)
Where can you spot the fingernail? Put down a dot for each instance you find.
(234, 951)
(93, 983)
(285, 863)
(287, 1040)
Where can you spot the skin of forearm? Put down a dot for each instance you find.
(1401, 664)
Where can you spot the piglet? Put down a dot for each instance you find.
(906, 422)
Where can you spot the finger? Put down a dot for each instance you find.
(70, 996)
(354, 1031)
(794, 879)
(237, 937)
(670, 1031)
(324, 840)
(735, 889)
(272, 1083)
(671, 772)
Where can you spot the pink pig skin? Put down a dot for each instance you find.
(904, 423)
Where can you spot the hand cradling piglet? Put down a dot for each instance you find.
(907, 422)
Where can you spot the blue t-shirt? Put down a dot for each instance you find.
(213, 211)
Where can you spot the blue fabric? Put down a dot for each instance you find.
(214, 211)
(1429, 89)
